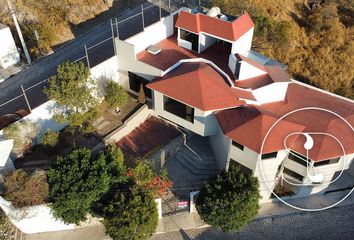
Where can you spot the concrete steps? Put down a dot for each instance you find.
(198, 157)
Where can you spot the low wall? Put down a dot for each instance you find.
(129, 125)
(107, 70)
(37, 219)
(166, 151)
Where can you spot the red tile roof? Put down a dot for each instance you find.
(272, 74)
(171, 53)
(224, 29)
(248, 125)
(197, 84)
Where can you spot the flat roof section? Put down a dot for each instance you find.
(171, 53)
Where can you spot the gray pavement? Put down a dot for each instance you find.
(335, 223)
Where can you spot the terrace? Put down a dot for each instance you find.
(171, 53)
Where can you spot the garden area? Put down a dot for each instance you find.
(88, 118)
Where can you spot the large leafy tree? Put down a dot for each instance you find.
(73, 89)
(230, 202)
(76, 182)
(130, 213)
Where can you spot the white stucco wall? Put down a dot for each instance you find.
(249, 71)
(204, 122)
(152, 34)
(107, 70)
(271, 93)
(205, 41)
(8, 50)
(232, 63)
(243, 44)
(6, 164)
(221, 146)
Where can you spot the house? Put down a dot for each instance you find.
(197, 68)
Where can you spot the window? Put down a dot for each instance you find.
(243, 169)
(135, 82)
(190, 37)
(328, 161)
(179, 109)
(293, 174)
(298, 158)
(269, 155)
(237, 69)
(239, 146)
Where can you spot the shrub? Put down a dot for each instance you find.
(141, 97)
(5, 227)
(23, 133)
(146, 177)
(130, 214)
(76, 182)
(115, 94)
(230, 202)
(24, 190)
(50, 138)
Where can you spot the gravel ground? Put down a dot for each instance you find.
(335, 223)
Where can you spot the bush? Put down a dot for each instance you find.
(50, 138)
(130, 214)
(23, 133)
(115, 94)
(24, 190)
(230, 202)
(5, 226)
(76, 182)
(143, 174)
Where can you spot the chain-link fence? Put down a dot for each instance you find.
(123, 27)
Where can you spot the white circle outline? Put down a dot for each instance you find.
(265, 137)
(318, 133)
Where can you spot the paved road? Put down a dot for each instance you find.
(44, 68)
(335, 223)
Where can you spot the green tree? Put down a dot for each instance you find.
(130, 213)
(50, 138)
(141, 97)
(73, 89)
(230, 202)
(115, 94)
(23, 134)
(76, 182)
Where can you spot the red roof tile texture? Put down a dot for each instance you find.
(247, 125)
(214, 26)
(197, 84)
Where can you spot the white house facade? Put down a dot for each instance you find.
(199, 71)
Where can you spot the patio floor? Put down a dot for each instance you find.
(171, 53)
(151, 134)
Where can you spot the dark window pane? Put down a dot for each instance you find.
(293, 174)
(135, 82)
(243, 169)
(239, 146)
(269, 155)
(179, 109)
(325, 162)
(298, 158)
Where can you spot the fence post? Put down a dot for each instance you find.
(24, 94)
(142, 16)
(114, 45)
(117, 28)
(160, 8)
(87, 59)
